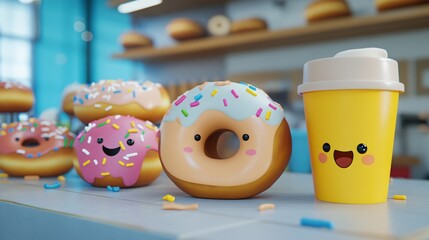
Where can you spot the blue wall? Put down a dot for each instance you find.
(60, 52)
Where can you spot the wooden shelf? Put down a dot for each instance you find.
(393, 21)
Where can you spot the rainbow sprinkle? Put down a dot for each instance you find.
(133, 125)
(234, 93)
(115, 126)
(86, 163)
(214, 92)
(132, 130)
(252, 87)
(129, 165)
(105, 174)
(121, 163)
(103, 162)
(198, 97)
(180, 100)
(272, 106)
(185, 113)
(251, 92)
(122, 145)
(194, 104)
(258, 113)
(268, 115)
(225, 103)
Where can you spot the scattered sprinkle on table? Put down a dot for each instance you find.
(175, 206)
(169, 198)
(31, 177)
(113, 189)
(317, 223)
(399, 197)
(266, 206)
(52, 186)
(61, 178)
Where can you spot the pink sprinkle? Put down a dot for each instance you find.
(225, 103)
(258, 113)
(272, 106)
(194, 104)
(234, 93)
(187, 149)
(180, 100)
(251, 152)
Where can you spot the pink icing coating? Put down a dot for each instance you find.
(118, 92)
(120, 162)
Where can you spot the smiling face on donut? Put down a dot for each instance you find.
(191, 132)
(115, 147)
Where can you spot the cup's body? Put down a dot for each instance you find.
(351, 126)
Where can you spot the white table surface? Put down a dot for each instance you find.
(77, 210)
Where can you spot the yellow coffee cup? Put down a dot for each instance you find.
(350, 103)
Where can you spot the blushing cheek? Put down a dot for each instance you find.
(368, 159)
(187, 149)
(251, 152)
(323, 158)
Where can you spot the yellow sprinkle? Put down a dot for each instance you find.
(121, 163)
(169, 198)
(133, 124)
(129, 165)
(129, 90)
(150, 126)
(4, 175)
(105, 174)
(61, 178)
(268, 115)
(399, 197)
(104, 161)
(251, 92)
(31, 120)
(86, 163)
(108, 121)
(3, 133)
(115, 126)
(122, 145)
(214, 92)
(133, 130)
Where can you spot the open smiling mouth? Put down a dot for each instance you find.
(111, 151)
(343, 159)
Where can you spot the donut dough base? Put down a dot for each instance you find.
(51, 164)
(280, 158)
(16, 100)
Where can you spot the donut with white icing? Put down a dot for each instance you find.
(143, 100)
(36, 147)
(15, 97)
(190, 132)
(118, 151)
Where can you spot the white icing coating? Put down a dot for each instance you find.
(236, 100)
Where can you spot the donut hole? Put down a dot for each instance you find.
(222, 144)
(31, 142)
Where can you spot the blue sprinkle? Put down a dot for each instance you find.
(310, 222)
(134, 94)
(52, 186)
(103, 88)
(87, 96)
(109, 188)
(39, 154)
(80, 100)
(252, 87)
(11, 130)
(116, 189)
(244, 83)
(74, 99)
(55, 149)
(198, 97)
(117, 91)
(29, 155)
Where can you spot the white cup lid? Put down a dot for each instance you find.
(366, 68)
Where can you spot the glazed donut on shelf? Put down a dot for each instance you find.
(184, 29)
(191, 130)
(383, 5)
(118, 151)
(143, 100)
(219, 25)
(37, 147)
(15, 97)
(68, 95)
(320, 10)
(248, 25)
(133, 39)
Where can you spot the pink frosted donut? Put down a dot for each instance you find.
(143, 100)
(36, 147)
(118, 151)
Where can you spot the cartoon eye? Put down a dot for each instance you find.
(130, 142)
(100, 140)
(362, 148)
(17, 139)
(46, 138)
(326, 147)
(197, 137)
(246, 137)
